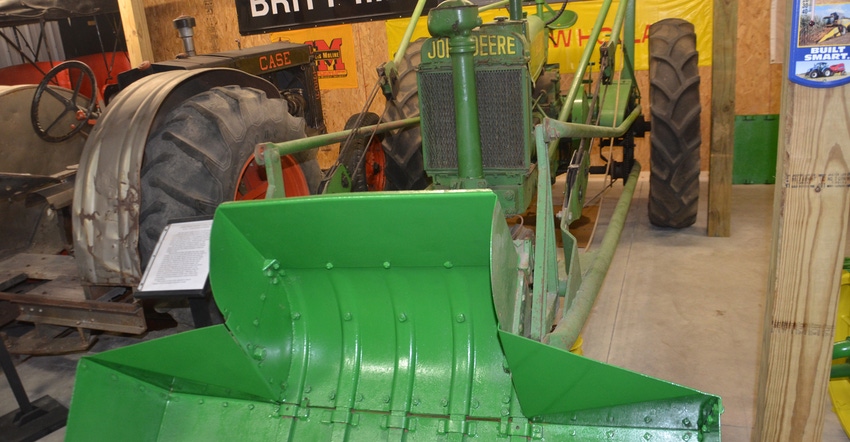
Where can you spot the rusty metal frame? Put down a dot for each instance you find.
(121, 317)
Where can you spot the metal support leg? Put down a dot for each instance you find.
(32, 420)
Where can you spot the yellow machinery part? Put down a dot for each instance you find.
(839, 389)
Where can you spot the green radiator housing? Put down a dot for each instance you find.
(505, 71)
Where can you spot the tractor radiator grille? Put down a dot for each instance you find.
(500, 108)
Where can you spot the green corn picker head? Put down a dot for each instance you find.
(337, 335)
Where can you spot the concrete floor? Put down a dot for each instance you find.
(686, 308)
(676, 305)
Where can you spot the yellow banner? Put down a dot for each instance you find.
(336, 64)
(567, 45)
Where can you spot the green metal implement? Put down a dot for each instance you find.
(442, 326)
(341, 336)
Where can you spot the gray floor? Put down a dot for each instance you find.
(676, 305)
(687, 308)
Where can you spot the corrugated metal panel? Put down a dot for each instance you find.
(26, 37)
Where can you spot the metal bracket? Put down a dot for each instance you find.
(400, 420)
(294, 411)
(340, 416)
(520, 428)
(274, 174)
(388, 78)
(457, 424)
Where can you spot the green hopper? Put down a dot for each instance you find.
(338, 328)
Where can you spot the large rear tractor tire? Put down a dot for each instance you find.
(405, 169)
(193, 161)
(675, 138)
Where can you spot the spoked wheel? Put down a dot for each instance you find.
(76, 109)
(252, 184)
(364, 159)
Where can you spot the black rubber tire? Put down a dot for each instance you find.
(193, 160)
(827, 73)
(405, 169)
(675, 138)
(350, 158)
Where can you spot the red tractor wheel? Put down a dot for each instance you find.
(252, 184)
(375, 163)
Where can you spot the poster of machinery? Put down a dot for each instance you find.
(819, 45)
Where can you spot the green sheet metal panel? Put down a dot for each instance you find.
(756, 138)
(338, 330)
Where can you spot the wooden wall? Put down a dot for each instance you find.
(758, 82)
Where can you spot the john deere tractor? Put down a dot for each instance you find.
(450, 324)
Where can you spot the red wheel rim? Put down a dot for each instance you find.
(252, 184)
(374, 165)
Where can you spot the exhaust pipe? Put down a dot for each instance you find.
(184, 25)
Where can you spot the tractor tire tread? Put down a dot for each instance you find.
(405, 168)
(675, 137)
(192, 160)
(350, 157)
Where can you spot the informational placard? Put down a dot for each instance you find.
(259, 16)
(180, 262)
(820, 43)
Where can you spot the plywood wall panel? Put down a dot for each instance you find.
(759, 85)
(216, 27)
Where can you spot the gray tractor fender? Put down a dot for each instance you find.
(107, 192)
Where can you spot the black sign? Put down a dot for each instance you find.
(259, 16)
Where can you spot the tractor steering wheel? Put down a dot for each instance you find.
(76, 109)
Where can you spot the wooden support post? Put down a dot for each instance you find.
(811, 209)
(136, 31)
(722, 118)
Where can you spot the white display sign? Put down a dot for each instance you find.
(181, 259)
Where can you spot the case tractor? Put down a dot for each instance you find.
(167, 140)
(451, 324)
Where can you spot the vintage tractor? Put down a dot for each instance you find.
(446, 326)
(186, 150)
(175, 140)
